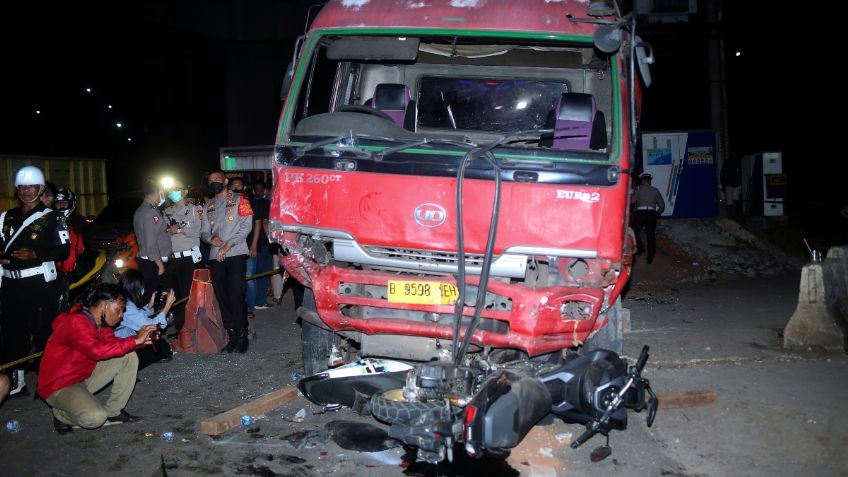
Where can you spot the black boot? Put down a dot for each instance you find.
(232, 334)
(241, 335)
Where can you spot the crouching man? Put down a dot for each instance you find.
(83, 356)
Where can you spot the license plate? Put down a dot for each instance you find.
(422, 293)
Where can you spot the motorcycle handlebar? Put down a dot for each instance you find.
(643, 359)
(584, 437)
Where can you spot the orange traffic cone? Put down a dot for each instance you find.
(203, 331)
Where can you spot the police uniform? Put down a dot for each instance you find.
(154, 243)
(648, 204)
(186, 251)
(231, 219)
(30, 299)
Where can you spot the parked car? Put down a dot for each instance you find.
(112, 232)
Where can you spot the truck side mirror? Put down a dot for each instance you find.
(644, 57)
(287, 81)
(607, 38)
(289, 75)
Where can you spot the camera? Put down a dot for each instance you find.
(161, 298)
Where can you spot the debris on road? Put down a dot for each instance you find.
(259, 406)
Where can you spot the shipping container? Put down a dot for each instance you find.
(86, 177)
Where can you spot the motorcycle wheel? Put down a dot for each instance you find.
(317, 343)
(391, 407)
(611, 336)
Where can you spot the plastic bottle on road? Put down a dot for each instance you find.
(246, 420)
(13, 426)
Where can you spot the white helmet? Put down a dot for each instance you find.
(29, 175)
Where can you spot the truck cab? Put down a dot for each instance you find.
(452, 179)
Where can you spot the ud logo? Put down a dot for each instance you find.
(429, 215)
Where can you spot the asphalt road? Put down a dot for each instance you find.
(777, 412)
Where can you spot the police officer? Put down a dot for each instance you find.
(648, 205)
(184, 228)
(154, 243)
(227, 219)
(65, 203)
(32, 238)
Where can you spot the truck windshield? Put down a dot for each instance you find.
(465, 90)
(487, 104)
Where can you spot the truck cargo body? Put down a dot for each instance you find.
(86, 177)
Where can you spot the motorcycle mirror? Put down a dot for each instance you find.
(653, 404)
(600, 453)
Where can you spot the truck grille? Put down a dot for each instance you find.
(423, 255)
(425, 261)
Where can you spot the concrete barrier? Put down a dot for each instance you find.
(822, 312)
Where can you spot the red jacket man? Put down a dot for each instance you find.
(83, 356)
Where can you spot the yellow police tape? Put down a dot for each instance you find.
(98, 264)
(19, 361)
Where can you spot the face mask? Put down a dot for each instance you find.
(215, 188)
(161, 199)
(175, 195)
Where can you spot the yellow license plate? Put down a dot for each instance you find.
(422, 293)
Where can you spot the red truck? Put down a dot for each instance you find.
(451, 186)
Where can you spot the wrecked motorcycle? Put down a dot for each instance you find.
(488, 408)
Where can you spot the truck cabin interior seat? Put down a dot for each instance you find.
(396, 101)
(577, 124)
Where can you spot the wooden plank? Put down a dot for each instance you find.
(686, 399)
(259, 406)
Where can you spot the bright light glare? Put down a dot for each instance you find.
(119, 263)
(109, 106)
(521, 105)
(37, 111)
(738, 53)
(87, 90)
(167, 182)
(129, 139)
(119, 125)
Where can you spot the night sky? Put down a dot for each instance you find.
(185, 78)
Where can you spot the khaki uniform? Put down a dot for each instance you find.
(231, 219)
(154, 243)
(186, 252)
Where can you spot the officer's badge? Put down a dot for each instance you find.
(155, 219)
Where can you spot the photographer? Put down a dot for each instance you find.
(83, 356)
(137, 316)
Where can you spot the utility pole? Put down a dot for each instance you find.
(718, 86)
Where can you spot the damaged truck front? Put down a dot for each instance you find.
(451, 186)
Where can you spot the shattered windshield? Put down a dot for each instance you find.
(497, 105)
(463, 90)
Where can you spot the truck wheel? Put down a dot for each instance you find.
(611, 336)
(317, 342)
(391, 407)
